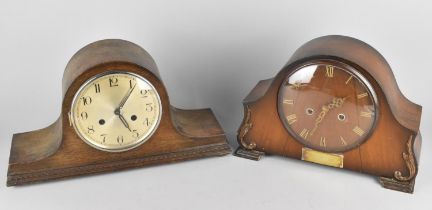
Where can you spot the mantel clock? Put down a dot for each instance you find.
(115, 115)
(336, 103)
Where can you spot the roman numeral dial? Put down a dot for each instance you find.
(327, 106)
(304, 133)
(292, 118)
(116, 111)
(357, 130)
(329, 71)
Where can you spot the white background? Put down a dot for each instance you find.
(210, 54)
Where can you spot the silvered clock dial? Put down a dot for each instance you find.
(116, 111)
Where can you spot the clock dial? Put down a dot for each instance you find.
(116, 111)
(327, 106)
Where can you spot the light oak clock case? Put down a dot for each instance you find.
(391, 152)
(58, 152)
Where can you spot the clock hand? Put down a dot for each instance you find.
(125, 123)
(126, 97)
(117, 111)
(122, 119)
(321, 115)
(336, 102)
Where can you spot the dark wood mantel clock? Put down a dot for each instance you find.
(115, 115)
(336, 103)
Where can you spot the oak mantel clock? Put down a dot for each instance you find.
(115, 115)
(336, 103)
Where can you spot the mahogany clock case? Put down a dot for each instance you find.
(390, 152)
(57, 151)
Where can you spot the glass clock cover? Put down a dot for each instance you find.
(327, 106)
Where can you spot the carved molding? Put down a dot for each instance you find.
(244, 129)
(193, 153)
(409, 161)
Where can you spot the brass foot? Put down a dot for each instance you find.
(248, 154)
(394, 184)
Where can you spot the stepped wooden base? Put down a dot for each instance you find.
(45, 154)
(59, 173)
(249, 154)
(388, 183)
(392, 184)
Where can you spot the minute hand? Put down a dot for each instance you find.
(336, 102)
(126, 97)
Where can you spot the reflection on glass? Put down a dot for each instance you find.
(327, 107)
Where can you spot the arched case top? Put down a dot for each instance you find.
(358, 53)
(104, 52)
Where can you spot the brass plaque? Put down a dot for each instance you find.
(328, 159)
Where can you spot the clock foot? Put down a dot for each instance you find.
(248, 154)
(394, 184)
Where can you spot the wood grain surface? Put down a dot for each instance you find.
(58, 152)
(388, 152)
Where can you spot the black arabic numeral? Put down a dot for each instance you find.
(131, 83)
(120, 139)
(103, 138)
(84, 115)
(144, 93)
(97, 88)
(149, 107)
(86, 100)
(147, 122)
(135, 134)
(113, 81)
(90, 129)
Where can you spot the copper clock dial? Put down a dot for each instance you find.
(327, 106)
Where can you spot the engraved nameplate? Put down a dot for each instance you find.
(328, 159)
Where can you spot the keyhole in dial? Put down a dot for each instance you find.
(309, 111)
(341, 117)
(134, 117)
(101, 122)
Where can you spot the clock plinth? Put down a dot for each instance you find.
(377, 135)
(249, 154)
(394, 184)
(58, 151)
(37, 156)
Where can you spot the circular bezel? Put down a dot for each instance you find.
(121, 148)
(344, 67)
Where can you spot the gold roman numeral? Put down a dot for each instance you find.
(304, 133)
(358, 131)
(323, 142)
(329, 71)
(297, 85)
(348, 80)
(288, 101)
(366, 114)
(291, 118)
(362, 95)
(343, 141)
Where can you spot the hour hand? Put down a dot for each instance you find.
(125, 123)
(320, 117)
(122, 119)
(336, 103)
